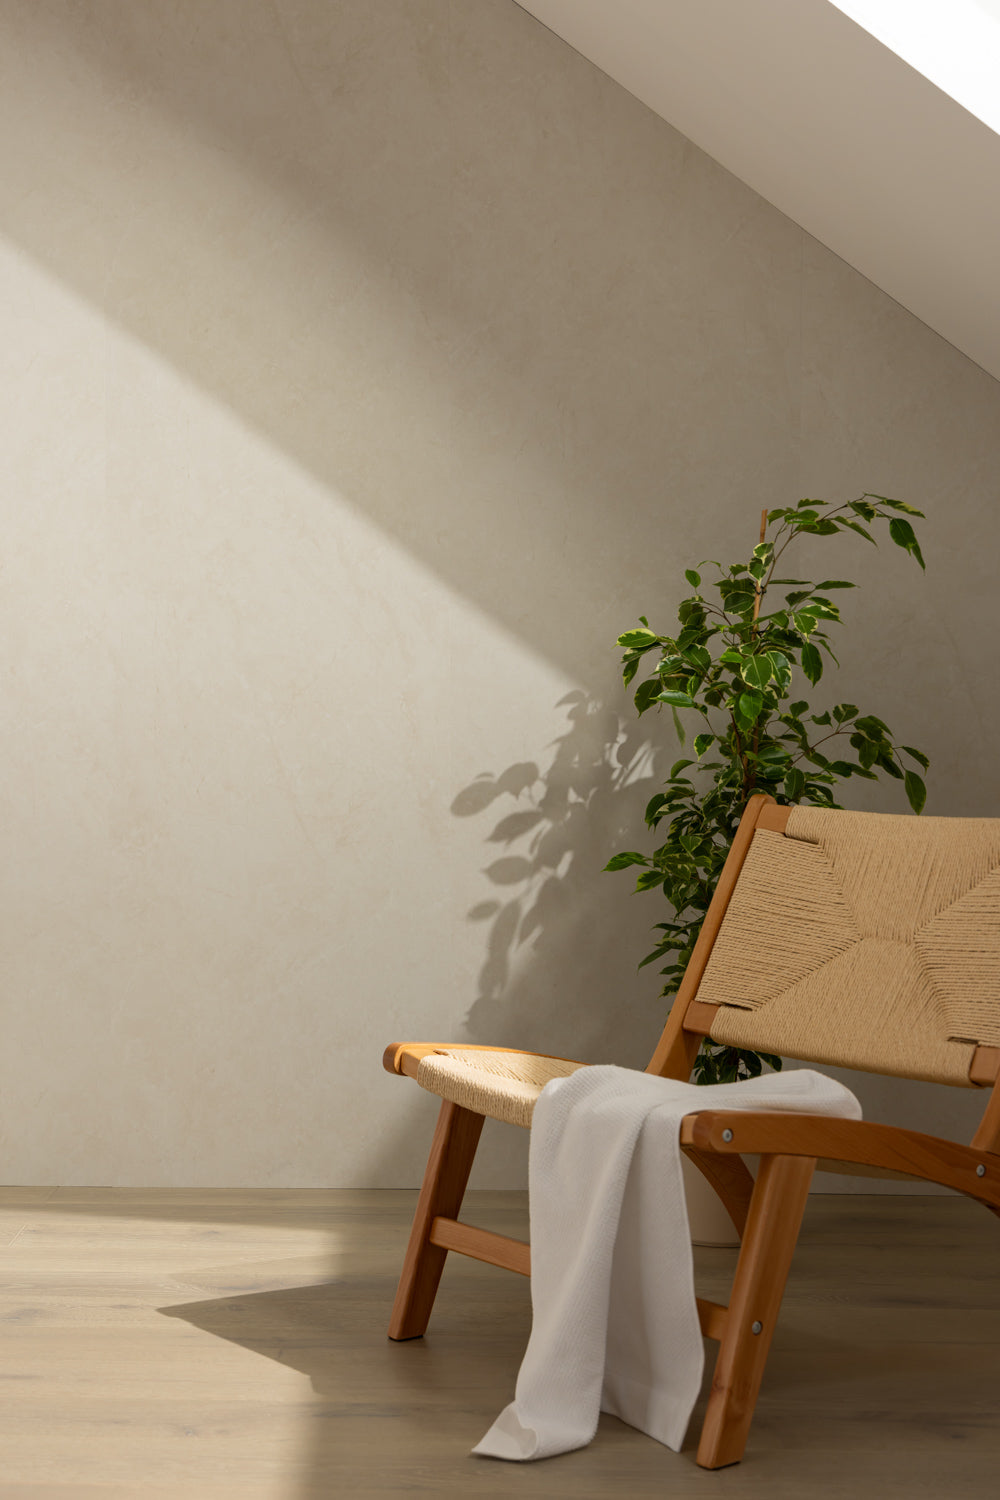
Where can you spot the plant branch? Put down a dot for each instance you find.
(754, 749)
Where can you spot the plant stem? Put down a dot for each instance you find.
(749, 782)
(758, 592)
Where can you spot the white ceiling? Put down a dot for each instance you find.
(832, 127)
(954, 43)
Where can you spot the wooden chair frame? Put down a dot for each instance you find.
(767, 1210)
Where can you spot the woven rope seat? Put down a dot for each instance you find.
(501, 1085)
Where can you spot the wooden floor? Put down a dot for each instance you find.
(231, 1346)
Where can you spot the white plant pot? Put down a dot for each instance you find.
(708, 1221)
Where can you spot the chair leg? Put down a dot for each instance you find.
(776, 1210)
(448, 1167)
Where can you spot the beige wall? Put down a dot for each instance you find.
(367, 366)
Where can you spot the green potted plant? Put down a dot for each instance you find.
(734, 667)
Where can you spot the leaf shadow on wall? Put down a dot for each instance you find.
(553, 918)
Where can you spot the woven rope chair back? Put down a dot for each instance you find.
(864, 940)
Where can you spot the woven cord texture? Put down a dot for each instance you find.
(864, 939)
(501, 1085)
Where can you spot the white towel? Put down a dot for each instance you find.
(615, 1326)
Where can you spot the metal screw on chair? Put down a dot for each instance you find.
(980, 1170)
(756, 1327)
(727, 1135)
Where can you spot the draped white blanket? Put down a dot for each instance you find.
(615, 1325)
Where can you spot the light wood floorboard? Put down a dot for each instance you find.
(231, 1346)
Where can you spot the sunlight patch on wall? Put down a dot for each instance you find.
(237, 714)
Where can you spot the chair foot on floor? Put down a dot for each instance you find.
(448, 1166)
(772, 1231)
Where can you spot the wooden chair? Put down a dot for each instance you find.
(862, 940)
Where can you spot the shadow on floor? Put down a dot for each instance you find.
(868, 1365)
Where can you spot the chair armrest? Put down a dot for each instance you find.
(784, 1133)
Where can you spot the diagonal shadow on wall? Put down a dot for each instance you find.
(401, 242)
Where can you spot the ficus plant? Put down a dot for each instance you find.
(745, 641)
